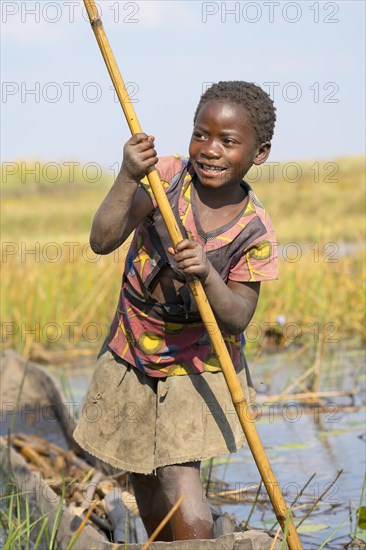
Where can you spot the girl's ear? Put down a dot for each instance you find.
(262, 153)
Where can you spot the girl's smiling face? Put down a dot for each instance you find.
(224, 144)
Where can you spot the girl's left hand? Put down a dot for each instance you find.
(191, 259)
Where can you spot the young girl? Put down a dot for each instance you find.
(158, 403)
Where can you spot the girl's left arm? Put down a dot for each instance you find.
(233, 303)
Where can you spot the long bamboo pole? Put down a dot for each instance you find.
(207, 315)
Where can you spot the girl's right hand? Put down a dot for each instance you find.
(138, 156)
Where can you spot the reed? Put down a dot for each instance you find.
(18, 523)
(56, 292)
(70, 303)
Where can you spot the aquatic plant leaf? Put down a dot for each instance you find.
(332, 432)
(294, 446)
(361, 524)
(312, 527)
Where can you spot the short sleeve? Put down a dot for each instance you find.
(260, 259)
(168, 167)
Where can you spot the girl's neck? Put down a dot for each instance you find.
(219, 197)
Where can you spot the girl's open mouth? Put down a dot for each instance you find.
(210, 168)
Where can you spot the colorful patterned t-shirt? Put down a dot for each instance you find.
(157, 339)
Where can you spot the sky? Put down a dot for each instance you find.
(57, 103)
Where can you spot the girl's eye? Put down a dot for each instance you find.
(229, 141)
(198, 135)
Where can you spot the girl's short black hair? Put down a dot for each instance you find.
(250, 96)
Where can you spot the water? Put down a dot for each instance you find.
(296, 451)
(299, 442)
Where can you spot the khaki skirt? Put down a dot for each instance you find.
(139, 423)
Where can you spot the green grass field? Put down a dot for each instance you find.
(56, 292)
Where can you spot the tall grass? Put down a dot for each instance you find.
(18, 524)
(55, 291)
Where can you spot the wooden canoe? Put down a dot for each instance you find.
(28, 390)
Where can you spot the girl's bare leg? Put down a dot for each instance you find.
(193, 519)
(155, 496)
(151, 503)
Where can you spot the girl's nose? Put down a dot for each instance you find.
(210, 149)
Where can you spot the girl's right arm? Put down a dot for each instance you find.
(126, 204)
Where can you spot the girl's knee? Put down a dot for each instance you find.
(193, 519)
(178, 476)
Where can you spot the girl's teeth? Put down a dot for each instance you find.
(212, 168)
